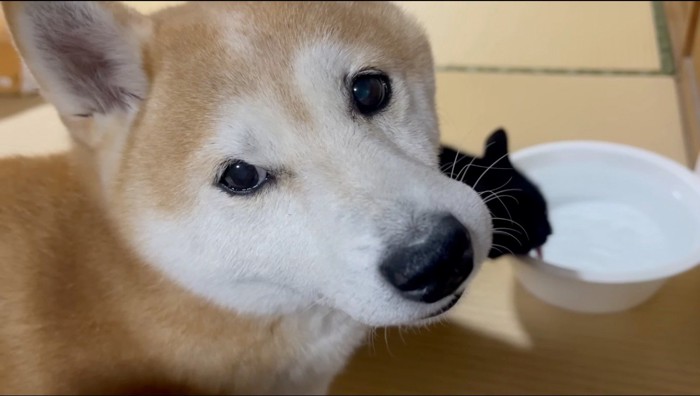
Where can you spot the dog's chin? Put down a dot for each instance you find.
(440, 313)
(415, 316)
(286, 301)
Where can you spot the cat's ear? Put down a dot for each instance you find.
(497, 147)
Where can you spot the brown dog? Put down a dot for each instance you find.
(251, 186)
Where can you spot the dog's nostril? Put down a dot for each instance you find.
(435, 268)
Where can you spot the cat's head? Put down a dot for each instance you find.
(518, 208)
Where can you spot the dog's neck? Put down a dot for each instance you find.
(144, 323)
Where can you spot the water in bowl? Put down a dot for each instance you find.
(601, 235)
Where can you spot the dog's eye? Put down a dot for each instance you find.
(243, 178)
(370, 92)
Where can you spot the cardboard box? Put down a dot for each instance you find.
(14, 75)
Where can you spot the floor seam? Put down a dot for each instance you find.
(667, 67)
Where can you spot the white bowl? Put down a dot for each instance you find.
(624, 220)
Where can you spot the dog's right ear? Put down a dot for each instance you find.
(86, 56)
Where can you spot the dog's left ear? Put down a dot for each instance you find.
(497, 147)
(86, 56)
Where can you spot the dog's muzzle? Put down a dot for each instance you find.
(436, 266)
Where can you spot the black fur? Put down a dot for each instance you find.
(518, 209)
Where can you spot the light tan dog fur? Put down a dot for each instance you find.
(123, 269)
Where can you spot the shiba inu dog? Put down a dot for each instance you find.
(251, 187)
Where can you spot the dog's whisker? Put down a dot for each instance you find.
(506, 229)
(444, 167)
(501, 196)
(514, 223)
(510, 235)
(490, 195)
(495, 190)
(496, 196)
(386, 340)
(497, 246)
(508, 190)
(495, 167)
(455, 163)
(401, 335)
(476, 183)
(465, 170)
(369, 342)
(372, 340)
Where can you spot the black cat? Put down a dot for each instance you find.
(518, 209)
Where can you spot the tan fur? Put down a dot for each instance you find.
(80, 312)
(82, 315)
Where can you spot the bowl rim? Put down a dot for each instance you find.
(682, 174)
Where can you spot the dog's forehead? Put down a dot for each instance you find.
(205, 53)
(287, 23)
(257, 40)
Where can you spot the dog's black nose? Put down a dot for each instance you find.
(434, 268)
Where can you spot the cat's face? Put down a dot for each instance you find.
(518, 209)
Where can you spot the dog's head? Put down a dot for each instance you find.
(266, 156)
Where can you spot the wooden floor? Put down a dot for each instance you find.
(501, 340)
